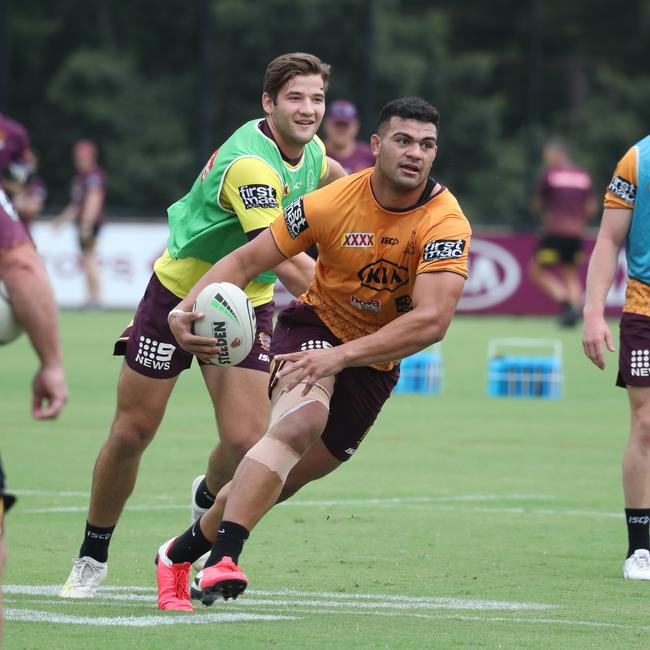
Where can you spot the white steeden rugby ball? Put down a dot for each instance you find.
(10, 328)
(229, 318)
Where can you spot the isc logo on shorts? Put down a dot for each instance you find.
(153, 354)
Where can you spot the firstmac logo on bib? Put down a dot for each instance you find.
(154, 354)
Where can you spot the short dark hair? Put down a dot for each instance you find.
(287, 66)
(409, 108)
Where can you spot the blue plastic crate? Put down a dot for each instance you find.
(525, 376)
(421, 373)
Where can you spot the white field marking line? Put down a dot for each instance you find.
(36, 616)
(536, 511)
(486, 509)
(291, 598)
(67, 493)
(387, 502)
(458, 497)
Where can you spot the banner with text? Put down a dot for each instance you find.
(498, 280)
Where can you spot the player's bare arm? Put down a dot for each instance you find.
(239, 267)
(602, 268)
(25, 277)
(435, 297)
(68, 214)
(334, 171)
(296, 273)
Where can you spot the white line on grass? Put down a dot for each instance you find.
(36, 616)
(318, 599)
(351, 604)
(381, 502)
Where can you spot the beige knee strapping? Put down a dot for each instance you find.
(278, 456)
(290, 401)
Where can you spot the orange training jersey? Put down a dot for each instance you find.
(368, 256)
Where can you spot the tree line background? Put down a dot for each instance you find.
(159, 85)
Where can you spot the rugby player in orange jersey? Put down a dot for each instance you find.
(392, 263)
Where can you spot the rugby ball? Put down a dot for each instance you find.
(228, 317)
(10, 328)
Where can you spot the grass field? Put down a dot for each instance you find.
(463, 521)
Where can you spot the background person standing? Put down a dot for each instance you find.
(565, 200)
(86, 209)
(341, 131)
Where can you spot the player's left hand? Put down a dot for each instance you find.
(50, 392)
(310, 366)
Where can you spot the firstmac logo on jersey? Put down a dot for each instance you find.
(154, 354)
(443, 249)
(294, 218)
(623, 189)
(259, 196)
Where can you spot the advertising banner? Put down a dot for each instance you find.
(498, 280)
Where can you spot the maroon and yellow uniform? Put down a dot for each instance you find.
(369, 256)
(368, 260)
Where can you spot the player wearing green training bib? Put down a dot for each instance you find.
(203, 230)
(263, 166)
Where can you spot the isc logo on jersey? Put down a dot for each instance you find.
(443, 249)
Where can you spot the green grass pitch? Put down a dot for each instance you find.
(463, 521)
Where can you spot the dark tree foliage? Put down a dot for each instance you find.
(131, 76)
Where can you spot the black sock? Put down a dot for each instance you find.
(229, 543)
(203, 497)
(189, 546)
(638, 526)
(96, 541)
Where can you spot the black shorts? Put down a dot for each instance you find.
(149, 347)
(559, 249)
(88, 243)
(359, 393)
(634, 351)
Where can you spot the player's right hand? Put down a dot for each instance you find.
(180, 323)
(596, 333)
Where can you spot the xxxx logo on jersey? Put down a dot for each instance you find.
(358, 240)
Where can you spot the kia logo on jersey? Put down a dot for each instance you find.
(383, 274)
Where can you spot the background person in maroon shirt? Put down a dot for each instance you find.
(341, 130)
(86, 209)
(566, 201)
(15, 153)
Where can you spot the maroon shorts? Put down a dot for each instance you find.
(359, 393)
(149, 347)
(634, 351)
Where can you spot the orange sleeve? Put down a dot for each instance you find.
(445, 246)
(621, 191)
(292, 231)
